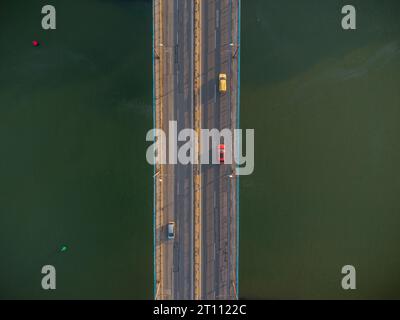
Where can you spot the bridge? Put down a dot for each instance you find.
(193, 42)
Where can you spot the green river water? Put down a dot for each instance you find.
(325, 106)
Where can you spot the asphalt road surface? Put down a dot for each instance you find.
(174, 59)
(219, 191)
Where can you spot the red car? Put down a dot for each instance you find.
(221, 149)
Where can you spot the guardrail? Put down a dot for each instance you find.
(158, 74)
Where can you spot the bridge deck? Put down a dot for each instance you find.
(194, 41)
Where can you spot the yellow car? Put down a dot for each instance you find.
(222, 82)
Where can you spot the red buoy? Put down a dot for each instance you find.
(35, 43)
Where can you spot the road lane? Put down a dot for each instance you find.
(183, 178)
(219, 209)
(209, 98)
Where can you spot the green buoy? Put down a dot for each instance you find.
(63, 248)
